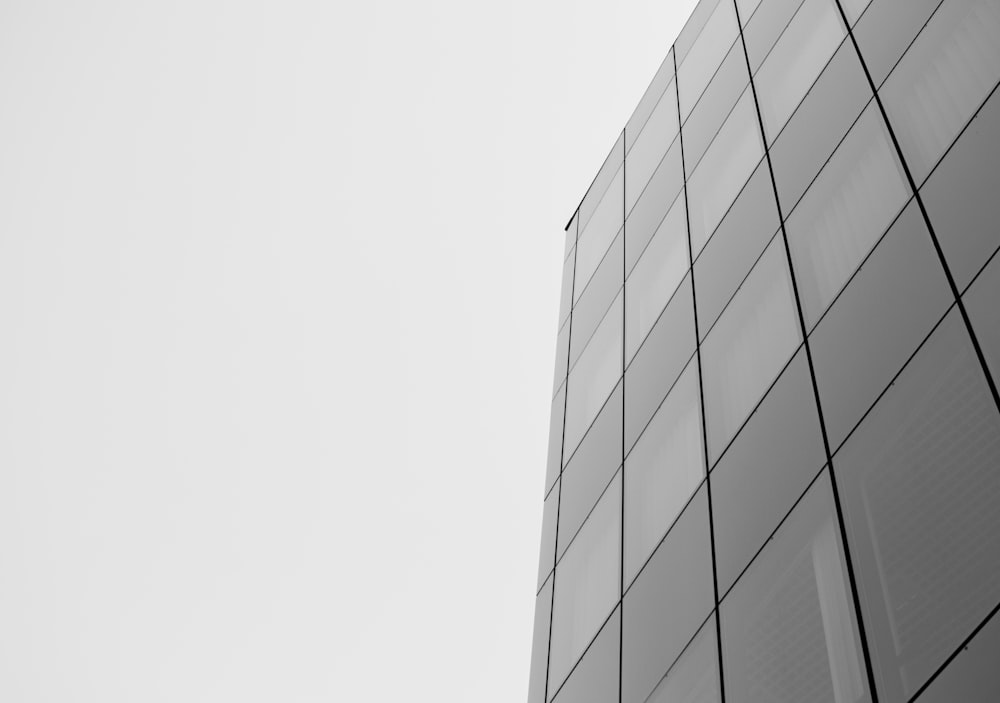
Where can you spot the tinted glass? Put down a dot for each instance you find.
(562, 356)
(715, 105)
(665, 606)
(547, 553)
(853, 9)
(566, 292)
(694, 677)
(981, 304)
(765, 470)
(764, 27)
(597, 298)
(973, 675)
(599, 233)
(663, 470)
(748, 346)
(843, 214)
(918, 483)
(650, 99)
(692, 28)
(896, 297)
(706, 54)
(554, 463)
(788, 627)
(651, 145)
(942, 80)
(570, 236)
(595, 193)
(886, 29)
(595, 678)
(540, 645)
(660, 193)
(746, 9)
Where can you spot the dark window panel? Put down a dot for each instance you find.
(764, 27)
(696, 71)
(540, 645)
(765, 470)
(961, 196)
(554, 463)
(942, 80)
(788, 625)
(650, 147)
(658, 197)
(981, 304)
(547, 554)
(657, 87)
(918, 483)
(885, 30)
(666, 605)
(597, 298)
(562, 356)
(694, 677)
(973, 676)
(600, 233)
(609, 169)
(595, 678)
(893, 302)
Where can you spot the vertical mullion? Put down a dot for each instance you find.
(621, 516)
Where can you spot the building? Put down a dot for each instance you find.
(774, 475)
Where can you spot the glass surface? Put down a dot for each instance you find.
(540, 645)
(885, 30)
(599, 233)
(896, 298)
(587, 583)
(659, 362)
(918, 483)
(663, 470)
(961, 195)
(765, 470)
(609, 169)
(595, 678)
(748, 346)
(788, 626)
(554, 463)
(547, 553)
(746, 9)
(693, 27)
(664, 75)
(796, 61)
(854, 9)
(844, 212)
(566, 291)
(819, 124)
(735, 247)
(706, 54)
(764, 27)
(973, 676)
(942, 80)
(570, 236)
(590, 469)
(655, 277)
(694, 677)
(594, 376)
(660, 195)
(725, 167)
(595, 301)
(984, 313)
(666, 605)
(651, 145)
(562, 356)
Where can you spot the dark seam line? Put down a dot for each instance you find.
(680, 655)
(593, 274)
(645, 187)
(560, 553)
(731, 205)
(656, 229)
(819, 409)
(659, 317)
(649, 421)
(701, 400)
(621, 513)
(777, 39)
(605, 314)
(580, 657)
(909, 44)
(590, 427)
(981, 271)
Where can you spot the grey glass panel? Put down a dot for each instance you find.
(746, 9)
(547, 553)
(666, 605)
(600, 232)
(601, 182)
(540, 645)
(562, 356)
(659, 362)
(735, 246)
(649, 100)
(725, 167)
(748, 346)
(765, 470)
(819, 124)
(897, 296)
(765, 26)
(692, 28)
(590, 469)
(655, 277)
(595, 678)
(715, 104)
(660, 194)
(566, 292)
(597, 298)
(554, 464)
(973, 676)
(885, 30)
(652, 144)
(694, 677)
(570, 236)
(981, 304)
(709, 49)
(796, 61)
(942, 80)
(587, 583)
(788, 626)
(918, 484)
(961, 195)
(854, 9)
(594, 376)
(843, 214)
(663, 470)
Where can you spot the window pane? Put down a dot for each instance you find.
(853, 9)
(562, 356)
(694, 677)
(600, 232)
(554, 465)
(540, 645)
(651, 145)
(981, 304)
(788, 626)
(566, 293)
(746, 8)
(918, 483)
(661, 191)
(547, 553)
(602, 180)
(666, 605)
(843, 214)
(570, 236)
(587, 583)
(973, 675)
(597, 298)
(748, 346)
(942, 80)
(650, 99)
(663, 470)
(693, 27)
(886, 29)
(595, 679)
(705, 56)
(764, 27)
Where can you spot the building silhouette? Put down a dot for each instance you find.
(774, 473)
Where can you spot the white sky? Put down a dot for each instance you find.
(278, 298)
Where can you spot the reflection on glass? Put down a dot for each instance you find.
(540, 645)
(567, 287)
(660, 194)
(596, 299)
(980, 301)
(562, 355)
(746, 8)
(651, 145)
(706, 54)
(595, 678)
(854, 9)
(974, 674)
(714, 105)
(599, 187)
(788, 628)
(554, 465)
(694, 677)
(650, 99)
(599, 233)
(547, 554)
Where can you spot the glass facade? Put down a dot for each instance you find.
(774, 460)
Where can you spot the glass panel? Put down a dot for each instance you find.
(570, 236)
(853, 9)
(566, 292)
(693, 27)
(659, 362)
(597, 298)
(667, 603)
(897, 296)
(651, 145)
(843, 214)
(788, 626)
(973, 675)
(650, 99)
(595, 679)
(984, 313)
(918, 483)
(547, 553)
(746, 9)
(694, 678)
(961, 196)
(712, 45)
(562, 356)
(764, 27)
(602, 180)
(540, 645)
(765, 470)
(655, 277)
(886, 29)
(661, 192)
(663, 470)
(797, 59)
(735, 246)
(587, 583)
(942, 80)
(595, 240)
(554, 464)
(748, 346)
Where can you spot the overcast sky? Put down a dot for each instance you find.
(278, 302)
